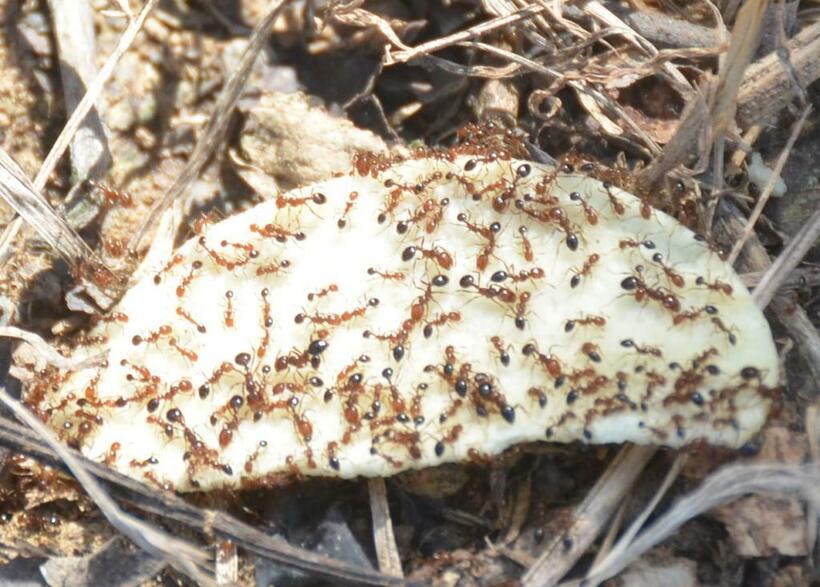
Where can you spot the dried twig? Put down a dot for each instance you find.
(767, 192)
(637, 524)
(217, 124)
(794, 252)
(91, 96)
(803, 277)
(767, 87)
(589, 517)
(385, 540)
(183, 556)
(724, 486)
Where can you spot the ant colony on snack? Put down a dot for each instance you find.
(435, 308)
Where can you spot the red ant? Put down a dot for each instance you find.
(589, 211)
(693, 314)
(317, 198)
(351, 199)
(589, 263)
(570, 325)
(717, 285)
(528, 255)
(323, 292)
(175, 260)
(555, 215)
(228, 315)
(641, 291)
(493, 292)
(675, 278)
(487, 232)
(439, 255)
(549, 362)
(440, 320)
(186, 281)
(499, 345)
(396, 276)
(199, 327)
(112, 196)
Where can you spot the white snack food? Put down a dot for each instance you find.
(412, 313)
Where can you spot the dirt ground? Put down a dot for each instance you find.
(607, 81)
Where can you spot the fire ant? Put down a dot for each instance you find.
(523, 275)
(693, 314)
(589, 211)
(722, 327)
(716, 285)
(499, 345)
(283, 201)
(675, 278)
(549, 362)
(487, 232)
(554, 215)
(589, 263)
(323, 292)
(182, 313)
(272, 268)
(642, 350)
(395, 276)
(491, 293)
(228, 316)
(351, 199)
(440, 320)
(570, 325)
(175, 260)
(528, 255)
(616, 204)
(591, 350)
(439, 255)
(641, 291)
(186, 281)
(111, 196)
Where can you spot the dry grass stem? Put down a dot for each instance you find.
(25, 199)
(91, 96)
(722, 487)
(74, 122)
(589, 517)
(217, 123)
(386, 551)
(183, 556)
(474, 32)
(74, 32)
(45, 350)
(629, 535)
(803, 277)
(745, 40)
(764, 198)
(813, 435)
(785, 263)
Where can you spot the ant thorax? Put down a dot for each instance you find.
(413, 312)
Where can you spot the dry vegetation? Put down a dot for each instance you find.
(193, 110)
